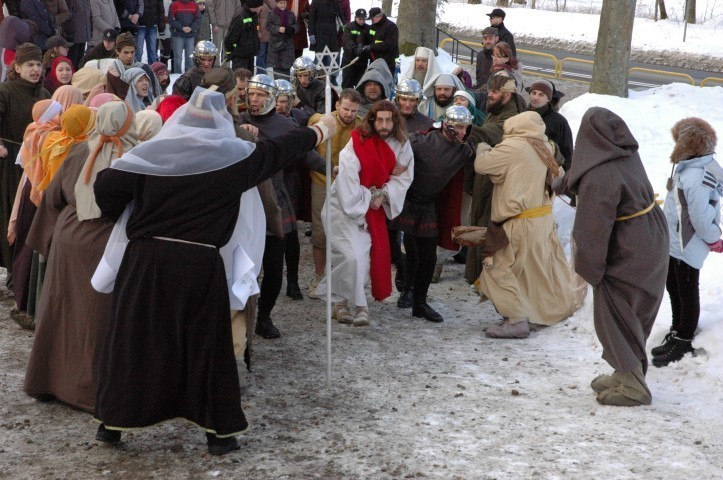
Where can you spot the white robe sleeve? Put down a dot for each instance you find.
(397, 186)
(354, 198)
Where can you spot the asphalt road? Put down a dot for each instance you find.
(577, 67)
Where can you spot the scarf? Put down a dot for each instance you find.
(377, 162)
(53, 81)
(283, 16)
(76, 124)
(115, 133)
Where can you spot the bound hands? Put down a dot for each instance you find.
(377, 198)
(716, 247)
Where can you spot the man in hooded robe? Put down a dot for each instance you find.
(439, 94)
(622, 250)
(423, 67)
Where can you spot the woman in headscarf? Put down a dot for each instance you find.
(148, 124)
(169, 105)
(60, 73)
(45, 120)
(139, 89)
(88, 80)
(101, 99)
(63, 362)
(28, 265)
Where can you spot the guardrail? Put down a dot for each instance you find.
(558, 65)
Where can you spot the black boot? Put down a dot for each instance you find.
(107, 436)
(399, 277)
(678, 348)
(461, 256)
(293, 291)
(406, 299)
(221, 446)
(663, 347)
(423, 310)
(266, 328)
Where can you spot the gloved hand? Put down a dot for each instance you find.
(366, 49)
(312, 39)
(358, 50)
(716, 247)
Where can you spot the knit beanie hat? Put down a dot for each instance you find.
(542, 86)
(159, 67)
(125, 40)
(27, 52)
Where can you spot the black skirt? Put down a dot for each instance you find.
(169, 351)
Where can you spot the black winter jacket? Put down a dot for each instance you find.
(154, 15)
(384, 42)
(242, 39)
(35, 11)
(322, 24)
(354, 36)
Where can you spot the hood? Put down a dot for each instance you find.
(377, 71)
(694, 137)
(433, 67)
(701, 162)
(429, 86)
(603, 137)
(525, 124)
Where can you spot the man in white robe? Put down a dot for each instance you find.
(375, 170)
(423, 67)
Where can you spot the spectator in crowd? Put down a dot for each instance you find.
(204, 30)
(59, 10)
(281, 24)
(322, 28)
(151, 21)
(264, 36)
(104, 17)
(57, 47)
(483, 67)
(184, 20)
(556, 127)
(497, 19)
(61, 73)
(384, 41)
(105, 49)
(692, 209)
(37, 12)
(242, 42)
(129, 13)
(221, 13)
(301, 10)
(504, 63)
(77, 29)
(356, 35)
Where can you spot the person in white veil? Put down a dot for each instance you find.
(439, 95)
(423, 67)
(169, 352)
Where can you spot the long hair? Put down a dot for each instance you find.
(505, 50)
(399, 131)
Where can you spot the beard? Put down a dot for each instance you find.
(420, 75)
(384, 133)
(443, 101)
(494, 107)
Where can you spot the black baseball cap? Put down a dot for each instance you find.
(361, 13)
(57, 41)
(497, 12)
(374, 11)
(110, 34)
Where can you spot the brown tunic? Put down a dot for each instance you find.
(626, 261)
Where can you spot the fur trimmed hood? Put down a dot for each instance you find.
(694, 137)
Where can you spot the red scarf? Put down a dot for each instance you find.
(377, 162)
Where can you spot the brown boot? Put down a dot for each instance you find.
(510, 328)
(604, 382)
(632, 391)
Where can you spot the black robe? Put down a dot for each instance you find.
(169, 351)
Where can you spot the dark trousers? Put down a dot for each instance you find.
(421, 259)
(351, 75)
(273, 265)
(395, 247)
(292, 253)
(75, 53)
(682, 286)
(245, 62)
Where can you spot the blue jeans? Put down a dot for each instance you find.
(182, 48)
(261, 57)
(149, 35)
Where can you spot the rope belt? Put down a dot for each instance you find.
(184, 241)
(534, 212)
(637, 214)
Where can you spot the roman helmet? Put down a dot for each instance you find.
(284, 87)
(457, 115)
(303, 65)
(266, 84)
(408, 88)
(204, 49)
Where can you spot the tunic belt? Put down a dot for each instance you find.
(184, 241)
(637, 214)
(534, 212)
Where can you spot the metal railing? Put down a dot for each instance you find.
(456, 44)
(711, 80)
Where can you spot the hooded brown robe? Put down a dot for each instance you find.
(626, 261)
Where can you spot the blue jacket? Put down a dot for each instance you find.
(692, 209)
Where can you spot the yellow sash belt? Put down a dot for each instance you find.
(534, 212)
(641, 212)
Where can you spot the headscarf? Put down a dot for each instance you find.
(115, 134)
(36, 132)
(433, 67)
(67, 96)
(102, 99)
(75, 126)
(169, 105)
(131, 77)
(86, 78)
(53, 81)
(148, 124)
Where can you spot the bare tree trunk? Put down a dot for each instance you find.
(663, 11)
(690, 12)
(534, 4)
(387, 7)
(417, 22)
(503, 3)
(612, 52)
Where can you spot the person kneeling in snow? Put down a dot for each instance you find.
(622, 250)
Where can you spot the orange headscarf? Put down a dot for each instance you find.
(76, 123)
(35, 135)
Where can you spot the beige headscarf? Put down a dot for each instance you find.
(86, 78)
(115, 133)
(148, 124)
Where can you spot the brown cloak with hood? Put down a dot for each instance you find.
(626, 261)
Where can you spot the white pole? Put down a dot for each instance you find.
(327, 93)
